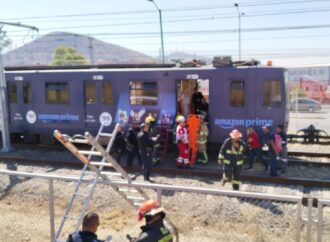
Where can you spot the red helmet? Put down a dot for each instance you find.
(149, 207)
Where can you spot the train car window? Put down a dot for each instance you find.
(143, 93)
(107, 97)
(90, 93)
(12, 92)
(27, 92)
(237, 94)
(272, 93)
(57, 92)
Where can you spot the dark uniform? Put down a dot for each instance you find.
(156, 232)
(196, 100)
(233, 161)
(132, 145)
(83, 236)
(145, 148)
(118, 148)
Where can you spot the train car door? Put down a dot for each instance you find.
(189, 92)
(98, 103)
(19, 102)
(92, 103)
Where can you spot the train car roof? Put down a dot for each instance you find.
(121, 67)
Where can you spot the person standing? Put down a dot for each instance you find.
(196, 99)
(284, 153)
(270, 142)
(255, 149)
(185, 102)
(146, 144)
(231, 157)
(90, 225)
(132, 144)
(182, 142)
(118, 148)
(202, 141)
(154, 230)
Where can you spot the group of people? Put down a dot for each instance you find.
(182, 141)
(139, 144)
(233, 148)
(154, 230)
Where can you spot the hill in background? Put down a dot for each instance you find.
(41, 51)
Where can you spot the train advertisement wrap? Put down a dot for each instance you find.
(232, 123)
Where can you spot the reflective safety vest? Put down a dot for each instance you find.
(230, 155)
(202, 137)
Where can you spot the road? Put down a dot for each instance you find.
(301, 120)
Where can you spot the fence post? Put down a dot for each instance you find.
(299, 220)
(319, 221)
(159, 197)
(309, 219)
(51, 209)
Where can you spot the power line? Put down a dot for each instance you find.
(195, 8)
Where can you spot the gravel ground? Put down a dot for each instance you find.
(24, 206)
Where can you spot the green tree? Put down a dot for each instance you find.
(66, 56)
(4, 42)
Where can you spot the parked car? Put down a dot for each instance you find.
(305, 104)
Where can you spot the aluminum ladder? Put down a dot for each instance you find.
(68, 142)
(134, 196)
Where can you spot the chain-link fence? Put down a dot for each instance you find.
(28, 205)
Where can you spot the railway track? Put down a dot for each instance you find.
(214, 173)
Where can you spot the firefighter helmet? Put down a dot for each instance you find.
(235, 134)
(149, 208)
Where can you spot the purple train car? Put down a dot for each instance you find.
(75, 100)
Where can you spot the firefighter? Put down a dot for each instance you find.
(151, 121)
(182, 141)
(154, 230)
(202, 140)
(231, 157)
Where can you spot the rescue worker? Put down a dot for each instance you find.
(146, 144)
(132, 144)
(176, 124)
(231, 156)
(90, 225)
(154, 230)
(202, 140)
(151, 121)
(182, 141)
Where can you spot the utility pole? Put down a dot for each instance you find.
(91, 50)
(161, 29)
(239, 30)
(3, 93)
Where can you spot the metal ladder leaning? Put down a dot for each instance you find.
(133, 196)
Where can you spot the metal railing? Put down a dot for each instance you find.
(283, 215)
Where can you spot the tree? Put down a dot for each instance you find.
(66, 56)
(4, 42)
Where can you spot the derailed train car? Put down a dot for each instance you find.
(77, 100)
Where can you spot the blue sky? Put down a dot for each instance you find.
(206, 28)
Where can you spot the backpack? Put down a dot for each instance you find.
(278, 143)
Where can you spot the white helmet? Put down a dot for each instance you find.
(181, 119)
